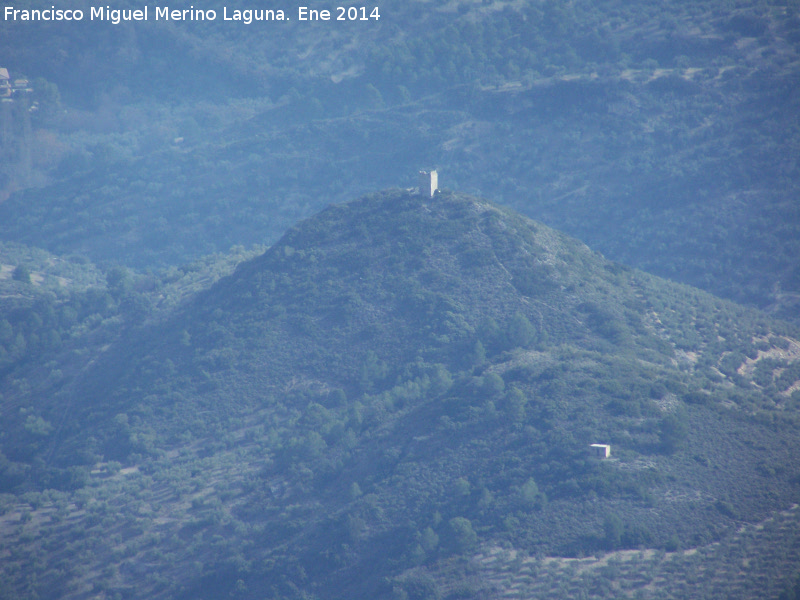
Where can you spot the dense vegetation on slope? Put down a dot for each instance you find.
(660, 134)
(47, 301)
(397, 398)
(396, 386)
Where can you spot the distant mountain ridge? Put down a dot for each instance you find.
(661, 135)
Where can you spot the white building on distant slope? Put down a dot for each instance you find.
(428, 183)
(601, 450)
(5, 83)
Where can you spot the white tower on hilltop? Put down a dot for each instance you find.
(428, 183)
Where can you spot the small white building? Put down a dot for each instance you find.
(5, 83)
(428, 183)
(601, 450)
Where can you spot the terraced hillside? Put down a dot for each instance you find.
(396, 399)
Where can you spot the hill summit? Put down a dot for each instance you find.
(392, 401)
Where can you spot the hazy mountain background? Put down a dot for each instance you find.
(395, 400)
(664, 135)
